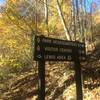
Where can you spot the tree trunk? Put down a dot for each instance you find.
(78, 24)
(73, 20)
(46, 11)
(63, 20)
(46, 14)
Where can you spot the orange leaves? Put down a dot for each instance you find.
(13, 1)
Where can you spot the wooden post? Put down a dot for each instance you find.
(41, 75)
(78, 79)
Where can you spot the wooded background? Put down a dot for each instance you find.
(21, 20)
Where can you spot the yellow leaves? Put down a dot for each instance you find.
(12, 1)
(11, 43)
(1, 62)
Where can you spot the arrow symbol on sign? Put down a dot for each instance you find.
(39, 56)
(38, 48)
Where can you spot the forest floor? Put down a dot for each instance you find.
(60, 82)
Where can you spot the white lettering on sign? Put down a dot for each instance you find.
(65, 43)
(49, 57)
(65, 50)
(81, 45)
(69, 57)
(44, 40)
(81, 51)
(51, 49)
(61, 57)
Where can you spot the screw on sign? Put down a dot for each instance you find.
(69, 58)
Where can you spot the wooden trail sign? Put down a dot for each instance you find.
(49, 49)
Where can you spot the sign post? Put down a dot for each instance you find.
(77, 66)
(49, 49)
(41, 83)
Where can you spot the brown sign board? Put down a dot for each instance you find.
(50, 49)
